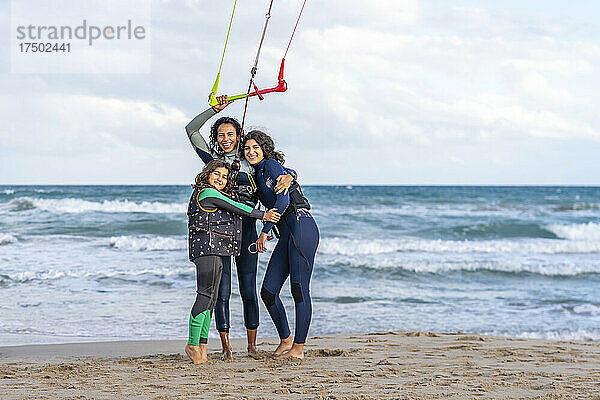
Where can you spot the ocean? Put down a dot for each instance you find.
(96, 263)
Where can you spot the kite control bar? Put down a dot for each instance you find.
(281, 87)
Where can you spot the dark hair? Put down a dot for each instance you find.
(202, 177)
(214, 145)
(266, 144)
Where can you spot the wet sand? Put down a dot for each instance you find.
(387, 365)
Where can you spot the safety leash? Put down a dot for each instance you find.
(255, 66)
(235, 165)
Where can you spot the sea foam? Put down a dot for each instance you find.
(29, 276)
(70, 205)
(388, 265)
(339, 246)
(589, 231)
(590, 309)
(6, 238)
(581, 335)
(147, 243)
(132, 274)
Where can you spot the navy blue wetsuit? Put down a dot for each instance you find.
(293, 255)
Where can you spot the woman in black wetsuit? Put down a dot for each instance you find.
(215, 223)
(224, 136)
(295, 251)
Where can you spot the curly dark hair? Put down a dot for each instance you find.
(202, 177)
(266, 144)
(214, 145)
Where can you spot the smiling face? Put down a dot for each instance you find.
(226, 137)
(218, 178)
(253, 152)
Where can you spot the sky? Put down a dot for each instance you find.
(388, 92)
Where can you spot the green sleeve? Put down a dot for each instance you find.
(212, 198)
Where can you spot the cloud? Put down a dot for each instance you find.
(356, 69)
(378, 15)
(80, 124)
(409, 74)
(562, 66)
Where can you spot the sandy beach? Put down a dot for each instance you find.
(385, 365)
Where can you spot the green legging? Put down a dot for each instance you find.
(208, 276)
(199, 326)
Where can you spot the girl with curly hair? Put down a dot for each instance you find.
(295, 251)
(215, 223)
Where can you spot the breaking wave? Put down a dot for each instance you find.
(338, 246)
(70, 205)
(133, 276)
(148, 243)
(386, 266)
(589, 231)
(580, 335)
(6, 238)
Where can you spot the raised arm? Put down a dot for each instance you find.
(196, 139)
(193, 129)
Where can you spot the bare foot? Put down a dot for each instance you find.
(297, 351)
(196, 354)
(253, 353)
(227, 354)
(285, 345)
(252, 350)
